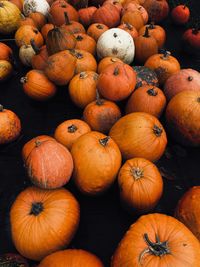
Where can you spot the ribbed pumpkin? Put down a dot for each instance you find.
(49, 164)
(26, 33)
(140, 184)
(139, 134)
(153, 239)
(43, 221)
(106, 61)
(95, 30)
(104, 154)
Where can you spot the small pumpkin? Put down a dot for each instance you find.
(38, 18)
(10, 126)
(85, 42)
(85, 15)
(82, 88)
(140, 184)
(26, 33)
(69, 131)
(6, 70)
(180, 14)
(158, 10)
(26, 53)
(72, 26)
(95, 179)
(10, 259)
(139, 134)
(134, 18)
(130, 29)
(26, 21)
(5, 52)
(35, 232)
(95, 30)
(106, 61)
(30, 6)
(145, 76)
(37, 86)
(39, 60)
(191, 41)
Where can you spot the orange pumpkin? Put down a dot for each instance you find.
(45, 29)
(25, 33)
(18, 3)
(49, 164)
(6, 70)
(132, 6)
(153, 239)
(94, 179)
(85, 42)
(39, 60)
(139, 134)
(106, 61)
(140, 185)
(5, 52)
(95, 30)
(134, 18)
(82, 88)
(43, 221)
(130, 29)
(38, 18)
(69, 131)
(26, 21)
(72, 26)
(10, 126)
(71, 258)
(85, 15)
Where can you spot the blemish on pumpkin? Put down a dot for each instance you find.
(114, 51)
(184, 245)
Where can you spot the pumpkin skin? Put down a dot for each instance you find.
(43, 234)
(116, 4)
(25, 33)
(185, 79)
(117, 81)
(6, 70)
(38, 18)
(9, 17)
(10, 126)
(170, 237)
(191, 41)
(85, 15)
(158, 10)
(106, 61)
(130, 29)
(95, 30)
(18, 3)
(140, 184)
(95, 179)
(82, 88)
(139, 134)
(5, 52)
(39, 61)
(145, 76)
(182, 117)
(72, 26)
(85, 42)
(37, 86)
(187, 210)
(30, 6)
(26, 21)
(45, 29)
(149, 99)
(10, 259)
(180, 14)
(134, 18)
(69, 131)
(39, 165)
(131, 6)
(71, 258)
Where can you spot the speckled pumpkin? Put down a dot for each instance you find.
(145, 76)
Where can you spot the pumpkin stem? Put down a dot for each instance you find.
(1, 108)
(113, 59)
(72, 128)
(157, 130)
(152, 25)
(137, 173)
(37, 208)
(83, 75)
(115, 35)
(129, 26)
(78, 55)
(79, 38)
(146, 34)
(67, 21)
(99, 26)
(35, 31)
(23, 79)
(34, 46)
(152, 92)
(99, 101)
(166, 54)
(116, 71)
(190, 78)
(37, 143)
(104, 141)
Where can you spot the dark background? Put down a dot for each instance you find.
(103, 221)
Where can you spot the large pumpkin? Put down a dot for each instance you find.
(182, 116)
(97, 160)
(139, 134)
(43, 221)
(157, 240)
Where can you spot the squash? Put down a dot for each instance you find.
(191, 41)
(72, 26)
(130, 29)
(39, 60)
(38, 18)
(85, 15)
(26, 53)
(6, 52)
(145, 76)
(85, 42)
(134, 18)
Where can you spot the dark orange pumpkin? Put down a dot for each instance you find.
(18, 3)
(38, 18)
(39, 60)
(95, 30)
(5, 52)
(85, 15)
(132, 6)
(26, 21)
(72, 26)
(25, 33)
(106, 61)
(43, 221)
(134, 18)
(85, 42)
(130, 29)
(45, 29)
(191, 41)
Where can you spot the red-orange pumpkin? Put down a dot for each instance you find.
(72, 26)
(85, 42)
(39, 60)
(130, 29)
(106, 61)
(95, 30)
(38, 18)
(25, 33)
(85, 15)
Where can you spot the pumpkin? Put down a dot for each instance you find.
(85, 42)
(155, 31)
(101, 114)
(95, 179)
(35, 232)
(18, 3)
(37, 86)
(45, 29)
(10, 126)
(60, 67)
(10, 259)
(153, 239)
(106, 61)
(72, 26)
(39, 60)
(180, 14)
(132, 6)
(134, 18)
(147, 99)
(38, 18)
(185, 79)
(69, 131)
(58, 39)
(117, 81)
(116, 43)
(6, 70)
(140, 184)
(145, 76)
(82, 88)
(182, 117)
(187, 210)
(158, 10)
(40, 169)
(26, 33)
(191, 41)
(145, 46)
(85, 15)
(107, 14)
(9, 17)
(5, 52)
(130, 29)
(26, 21)
(26, 53)
(95, 30)
(115, 3)
(164, 65)
(139, 134)
(30, 6)
(71, 258)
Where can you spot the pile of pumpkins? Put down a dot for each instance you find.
(89, 48)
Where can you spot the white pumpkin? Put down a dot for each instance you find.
(26, 53)
(30, 6)
(118, 43)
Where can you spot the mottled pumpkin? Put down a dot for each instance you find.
(145, 76)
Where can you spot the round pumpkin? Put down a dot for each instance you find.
(134, 18)
(85, 15)
(6, 70)
(5, 52)
(69, 131)
(182, 117)
(95, 30)
(132, 6)
(45, 29)
(71, 258)
(49, 164)
(10, 126)
(145, 76)
(180, 14)
(26, 21)
(140, 184)
(11, 259)
(130, 29)
(43, 221)
(106, 61)
(85, 42)
(39, 60)
(153, 239)
(72, 26)
(38, 18)
(139, 134)
(104, 154)
(26, 33)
